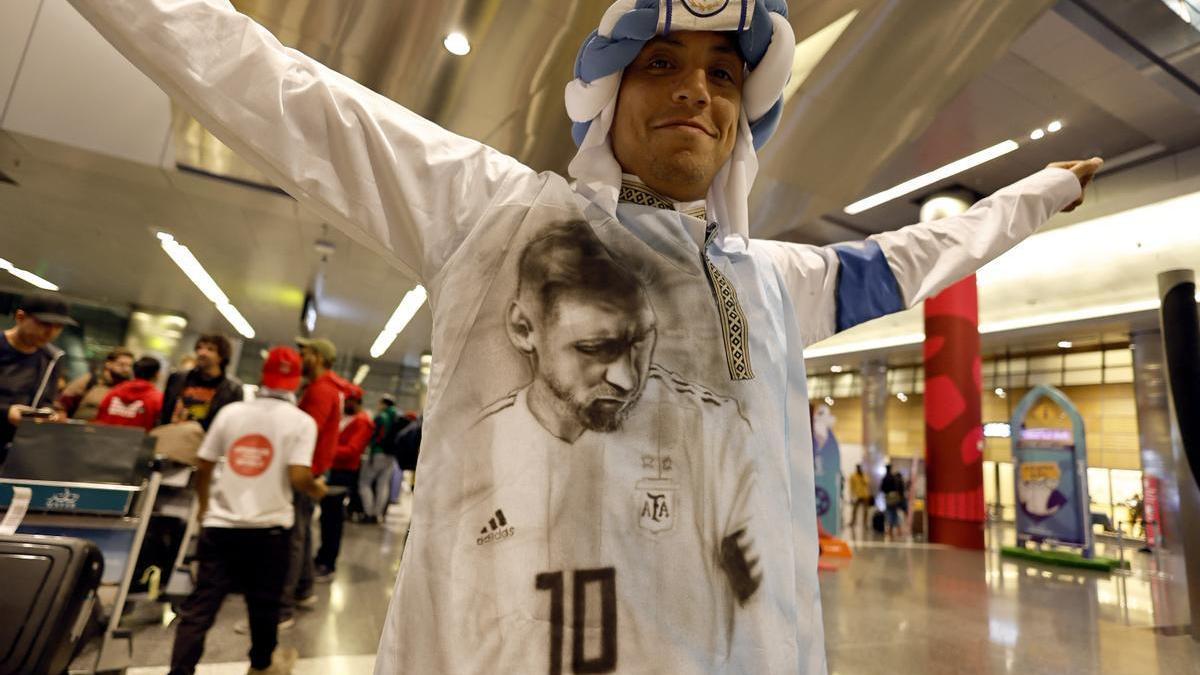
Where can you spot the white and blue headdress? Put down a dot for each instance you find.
(766, 42)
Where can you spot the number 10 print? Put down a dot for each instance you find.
(606, 661)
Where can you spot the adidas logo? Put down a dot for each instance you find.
(497, 528)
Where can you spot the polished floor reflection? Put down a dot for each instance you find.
(900, 609)
(893, 609)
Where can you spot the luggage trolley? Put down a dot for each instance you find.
(112, 512)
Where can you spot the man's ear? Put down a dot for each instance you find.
(520, 328)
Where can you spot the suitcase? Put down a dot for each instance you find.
(877, 522)
(49, 594)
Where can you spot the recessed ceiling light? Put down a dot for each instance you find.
(903, 397)
(1054, 126)
(1000, 392)
(1064, 344)
(835, 369)
(828, 400)
(939, 174)
(456, 43)
(1037, 134)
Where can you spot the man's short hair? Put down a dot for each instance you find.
(218, 342)
(388, 401)
(117, 353)
(146, 368)
(569, 259)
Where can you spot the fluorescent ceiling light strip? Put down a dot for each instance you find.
(187, 262)
(404, 313)
(939, 174)
(235, 319)
(27, 276)
(866, 345)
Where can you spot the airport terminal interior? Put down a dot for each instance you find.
(1002, 478)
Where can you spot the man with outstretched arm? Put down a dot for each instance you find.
(671, 100)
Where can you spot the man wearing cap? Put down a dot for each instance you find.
(671, 100)
(30, 364)
(355, 432)
(266, 446)
(322, 400)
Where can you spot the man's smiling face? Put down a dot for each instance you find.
(677, 112)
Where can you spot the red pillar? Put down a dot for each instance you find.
(953, 417)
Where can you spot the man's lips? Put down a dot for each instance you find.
(686, 124)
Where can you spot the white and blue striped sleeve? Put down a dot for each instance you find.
(833, 288)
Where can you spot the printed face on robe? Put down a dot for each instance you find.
(588, 329)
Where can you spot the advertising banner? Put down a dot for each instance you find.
(827, 469)
(1050, 473)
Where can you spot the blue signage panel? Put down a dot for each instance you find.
(71, 498)
(1050, 476)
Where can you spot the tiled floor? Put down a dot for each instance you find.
(893, 609)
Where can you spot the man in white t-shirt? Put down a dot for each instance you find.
(247, 516)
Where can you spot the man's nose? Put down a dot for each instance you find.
(692, 88)
(621, 373)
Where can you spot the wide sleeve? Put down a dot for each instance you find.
(380, 173)
(833, 288)
(304, 442)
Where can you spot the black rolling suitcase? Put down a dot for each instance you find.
(49, 592)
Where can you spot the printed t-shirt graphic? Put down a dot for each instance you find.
(197, 395)
(250, 455)
(258, 440)
(608, 494)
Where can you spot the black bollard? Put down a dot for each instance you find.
(1181, 342)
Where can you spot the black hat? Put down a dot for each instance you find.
(47, 309)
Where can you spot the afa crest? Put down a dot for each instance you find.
(656, 503)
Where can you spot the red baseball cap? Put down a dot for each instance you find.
(282, 369)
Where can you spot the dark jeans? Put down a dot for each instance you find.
(333, 515)
(299, 580)
(248, 561)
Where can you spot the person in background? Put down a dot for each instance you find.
(322, 400)
(375, 476)
(892, 487)
(860, 492)
(29, 364)
(267, 446)
(356, 431)
(199, 394)
(136, 403)
(81, 398)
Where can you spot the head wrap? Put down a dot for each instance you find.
(766, 43)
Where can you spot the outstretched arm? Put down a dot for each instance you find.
(375, 170)
(837, 287)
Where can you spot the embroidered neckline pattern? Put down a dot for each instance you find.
(733, 320)
(637, 193)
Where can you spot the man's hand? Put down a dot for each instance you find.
(1084, 170)
(319, 489)
(16, 413)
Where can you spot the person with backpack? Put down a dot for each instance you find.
(375, 474)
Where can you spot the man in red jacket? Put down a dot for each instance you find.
(357, 429)
(322, 401)
(136, 402)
